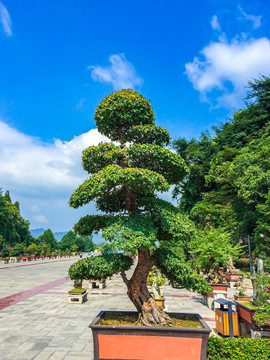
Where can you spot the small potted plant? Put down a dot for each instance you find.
(78, 294)
(257, 312)
(232, 274)
(156, 281)
(241, 288)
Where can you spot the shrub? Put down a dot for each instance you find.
(238, 349)
(242, 264)
(4, 252)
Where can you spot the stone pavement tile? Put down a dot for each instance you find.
(22, 355)
(59, 355)
(78, 347)
(44, 355)
(79, 354)
(82, 357)
(26, 346)
(40, 345)
(3, 354)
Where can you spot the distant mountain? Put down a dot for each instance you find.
(36, 232)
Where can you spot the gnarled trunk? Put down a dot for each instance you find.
(149, 313)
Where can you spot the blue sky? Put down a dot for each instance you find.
(59, 59)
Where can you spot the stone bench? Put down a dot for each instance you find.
(97, 284)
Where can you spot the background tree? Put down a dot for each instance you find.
(47, 238)
(13, 227)
(124, 183)
(228, 182)
(67, 240)
(89, 244)
(80, 243)
(211, 249)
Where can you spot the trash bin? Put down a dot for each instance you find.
(226, 318)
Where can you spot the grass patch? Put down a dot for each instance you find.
(131, 320)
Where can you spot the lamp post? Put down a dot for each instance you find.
(247, 239)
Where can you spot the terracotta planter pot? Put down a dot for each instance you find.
(233, 277)
(147, 342)
(242, 298)
(219, 287)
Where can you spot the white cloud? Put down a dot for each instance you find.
(5, 20)
(256, 20)
(223, 69)
(42, 176)
(120, 74)
(215, 24)
(40, 219)
(39, 169)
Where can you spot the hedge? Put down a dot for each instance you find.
(238, 349)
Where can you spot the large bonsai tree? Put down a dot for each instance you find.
(125, 178)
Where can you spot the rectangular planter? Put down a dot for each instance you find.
(246, 314)
(147, 342)
(242, 298)
(233, 277)
(218, 287)
(77, 297)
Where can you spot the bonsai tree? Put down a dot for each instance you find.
(17, 250)
(126, 175)
(156, 280)
(262, 300)
(212, 248)
(241, 287)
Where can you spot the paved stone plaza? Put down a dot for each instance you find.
(37, 323)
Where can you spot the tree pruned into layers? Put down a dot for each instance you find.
(125, 178)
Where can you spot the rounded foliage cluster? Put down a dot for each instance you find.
(99, 267)
(120, 111)
(95, 158)
(148, 134)
(114, 175)
(158, 159)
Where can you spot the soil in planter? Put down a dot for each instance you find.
(131, 320)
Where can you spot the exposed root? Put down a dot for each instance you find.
(151, 315)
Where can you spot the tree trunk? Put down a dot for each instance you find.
(130, 199)
(149, 313)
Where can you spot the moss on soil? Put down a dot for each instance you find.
(248, 304)
(131, 320)
(77, 290)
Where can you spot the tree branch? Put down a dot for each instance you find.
(124, 277)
